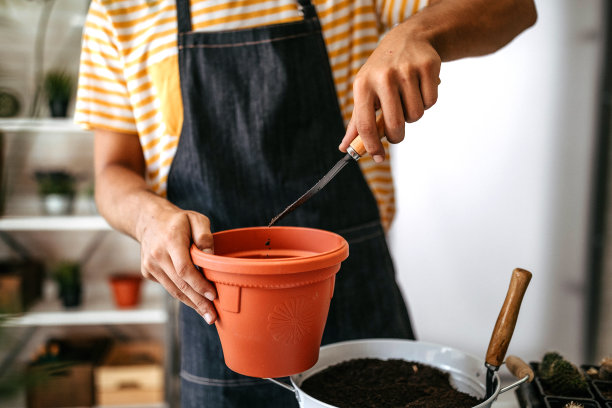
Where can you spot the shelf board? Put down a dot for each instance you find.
(54, 223)
(43, 125)
(96, 309)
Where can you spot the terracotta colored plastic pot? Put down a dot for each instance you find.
(126, 289)
(274, 288)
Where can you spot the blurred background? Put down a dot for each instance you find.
(509, 169)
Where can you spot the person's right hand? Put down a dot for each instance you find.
(165, 239)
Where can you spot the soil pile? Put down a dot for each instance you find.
(394, 383)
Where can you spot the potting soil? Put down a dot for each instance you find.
(394, 383)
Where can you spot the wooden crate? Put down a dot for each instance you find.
(59, 385)
(132, 373)
(20, 284)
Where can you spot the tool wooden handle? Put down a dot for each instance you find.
(519, 368)
(506, 321)
(357, 143)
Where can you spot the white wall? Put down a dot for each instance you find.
(497, 176)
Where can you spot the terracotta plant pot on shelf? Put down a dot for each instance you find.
(126, 289)
(274, 289)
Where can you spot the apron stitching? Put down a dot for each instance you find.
(358, 227)
(364, 238)
(219, 382)
(247, 42)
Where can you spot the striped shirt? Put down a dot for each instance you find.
(129, 77)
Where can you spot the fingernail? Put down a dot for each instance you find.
(378, 158)
(208, 317)
(210, 296)
(207, 250)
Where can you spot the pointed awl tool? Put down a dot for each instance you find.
(354, 152)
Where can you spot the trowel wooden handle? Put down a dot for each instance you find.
(357, 143)
(506, 321)
(519, 368)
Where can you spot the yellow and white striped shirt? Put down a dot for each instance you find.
(129, 77)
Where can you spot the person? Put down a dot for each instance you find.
(212, 115)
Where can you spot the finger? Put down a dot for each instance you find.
(162, 267)
(201, 304)
(349, 136)
(394, 122)
(146, 273)
(412, 100)
(200, 232)
(429, 88)
(364, 117)
(176, 256)
(182, 265)
(159, 276)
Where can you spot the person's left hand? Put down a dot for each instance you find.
(401, 78)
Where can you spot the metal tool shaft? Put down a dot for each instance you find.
(490, 381)
(314, 189)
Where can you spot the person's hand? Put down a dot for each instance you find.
(401, 78)
(165, 240)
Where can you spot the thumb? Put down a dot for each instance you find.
(200, 232)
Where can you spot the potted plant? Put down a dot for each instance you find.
(58, 86)
(57, 189)
(68, 278)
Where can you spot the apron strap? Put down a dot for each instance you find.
(184, 16)
(184, 13)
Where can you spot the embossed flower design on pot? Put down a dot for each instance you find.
(291, 320)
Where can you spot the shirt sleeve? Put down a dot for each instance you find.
(392, 12)
(103, 99)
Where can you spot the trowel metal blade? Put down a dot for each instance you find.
(314, 189)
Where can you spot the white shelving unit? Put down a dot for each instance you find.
(40, 125)
(54, 223)
(97, 308)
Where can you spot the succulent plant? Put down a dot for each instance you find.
(573, 405)
(547, 361)
(605, 369)
(564, 378)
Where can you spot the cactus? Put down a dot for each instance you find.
(573, 405)
(605, 369)
(547, 360)
(564, 378)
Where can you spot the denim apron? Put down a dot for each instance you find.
(261, 125)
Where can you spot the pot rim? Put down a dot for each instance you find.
(273, 266)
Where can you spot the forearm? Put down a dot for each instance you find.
(125, 201)
(467, 28)
(122, 195)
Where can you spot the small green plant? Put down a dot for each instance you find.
(605, 369)
(58, 85)
(562, 377)
(547, 361)
(67, 273)
(68, 277)
(56, 182)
